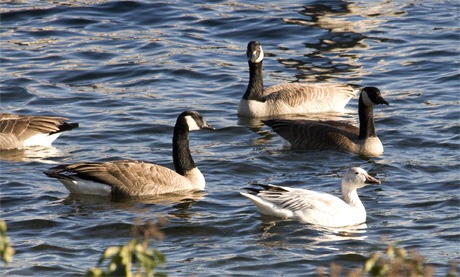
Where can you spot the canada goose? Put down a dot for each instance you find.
(298, 98)
(124, 178)
(19, 131)
(316, 207)
(308, 134)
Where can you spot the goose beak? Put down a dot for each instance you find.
(208, 127)
(381, 100)
(372, 180)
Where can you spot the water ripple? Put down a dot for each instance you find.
(125, 69)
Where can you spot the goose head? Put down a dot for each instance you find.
(192, 121)
(254, 52)
(371, 96)
(356, 177)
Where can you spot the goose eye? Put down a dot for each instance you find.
(356, 173)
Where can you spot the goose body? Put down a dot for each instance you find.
(315, 207)
(298, 98)
(126, 178)
(334, 135)
(20, 131)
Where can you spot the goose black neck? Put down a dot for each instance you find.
(182, 157)
(366, 120)
(256, 83)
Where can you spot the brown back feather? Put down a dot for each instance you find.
(307, 134)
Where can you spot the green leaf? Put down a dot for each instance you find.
(109, 252)
(95, 272)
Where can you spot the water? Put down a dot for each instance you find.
(125, 70)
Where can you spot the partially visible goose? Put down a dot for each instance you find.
(316, 207)
(298, 98)
(19, 131)
(308, 134)
(124, 178)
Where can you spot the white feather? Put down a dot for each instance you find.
(268, 208)
(371, 147)
(41, 140)
(197, 178)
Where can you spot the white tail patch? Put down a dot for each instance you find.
(191, 123)
(41, 140)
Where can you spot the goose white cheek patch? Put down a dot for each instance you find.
(366, 100)
(191, 123)
(261, 55)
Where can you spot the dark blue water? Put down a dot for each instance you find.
(125, 70)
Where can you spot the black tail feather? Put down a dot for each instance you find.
(56, 172)
(263, 187)
(68, 126)
(269, 122)
(254, 190)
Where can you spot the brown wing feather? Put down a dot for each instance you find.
(306, 134)
(9, 141)
(297, 94)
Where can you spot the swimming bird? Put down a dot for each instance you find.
(19, 131)
(297, 98)
(316, 207)
(334, 135)
(125, 178)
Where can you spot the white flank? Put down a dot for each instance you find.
(41, 140)
(81, 186)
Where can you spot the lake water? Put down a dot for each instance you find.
(125, 70)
